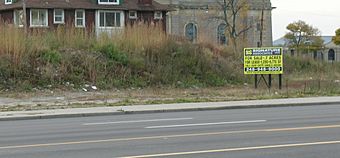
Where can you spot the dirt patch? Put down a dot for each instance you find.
(59, 99)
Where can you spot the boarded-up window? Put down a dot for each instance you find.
(19, 18)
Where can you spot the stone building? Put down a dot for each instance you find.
(195, 19)
(330, 52)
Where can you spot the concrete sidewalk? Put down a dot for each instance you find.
(101, 111)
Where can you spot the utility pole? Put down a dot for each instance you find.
(25, 15)
(262, 22)
(261, 40)
(260, 43)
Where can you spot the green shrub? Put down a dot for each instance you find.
(51, 56)
(214, 79)
(113, 53)
(5, 67)
(298, 64)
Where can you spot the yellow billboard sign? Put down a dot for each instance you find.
(263, 61)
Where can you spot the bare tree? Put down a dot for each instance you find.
(232, 10)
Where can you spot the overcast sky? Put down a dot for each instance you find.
(324, 15)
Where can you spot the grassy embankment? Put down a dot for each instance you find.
(139, 57)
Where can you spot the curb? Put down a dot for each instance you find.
(77, 115)
(231, 107)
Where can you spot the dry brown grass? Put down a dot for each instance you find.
(12, 43)
(150, 58)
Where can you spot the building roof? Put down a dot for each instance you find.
(279, 42)
(133, 5)
(327, 39)
(253, 4)
(84, 4)
(282, 41)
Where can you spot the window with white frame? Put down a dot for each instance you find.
(112, 2)
(80, 18)
(8, 1)
(132, 14)
(39, 18)
(59, 16)
(109, 19)
(158, 15)
(19, 18)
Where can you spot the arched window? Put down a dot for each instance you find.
(191, 32)
(221, 38)
(331, 55)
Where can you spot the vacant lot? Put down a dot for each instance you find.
(142, 65)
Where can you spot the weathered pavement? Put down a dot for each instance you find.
(282, 132)
(100, 111)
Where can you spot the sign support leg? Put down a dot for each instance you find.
(269, 81)
(256, 81)
(280, 81)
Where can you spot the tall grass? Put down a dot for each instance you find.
(12, 43)
(141, 55)
(138, 56)
(141, 37)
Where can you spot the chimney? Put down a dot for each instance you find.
(145, 2)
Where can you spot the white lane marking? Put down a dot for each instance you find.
(172, 136)
(137, 121)
(235, 149)
(206, 124)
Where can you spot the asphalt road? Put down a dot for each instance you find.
(299, 132)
